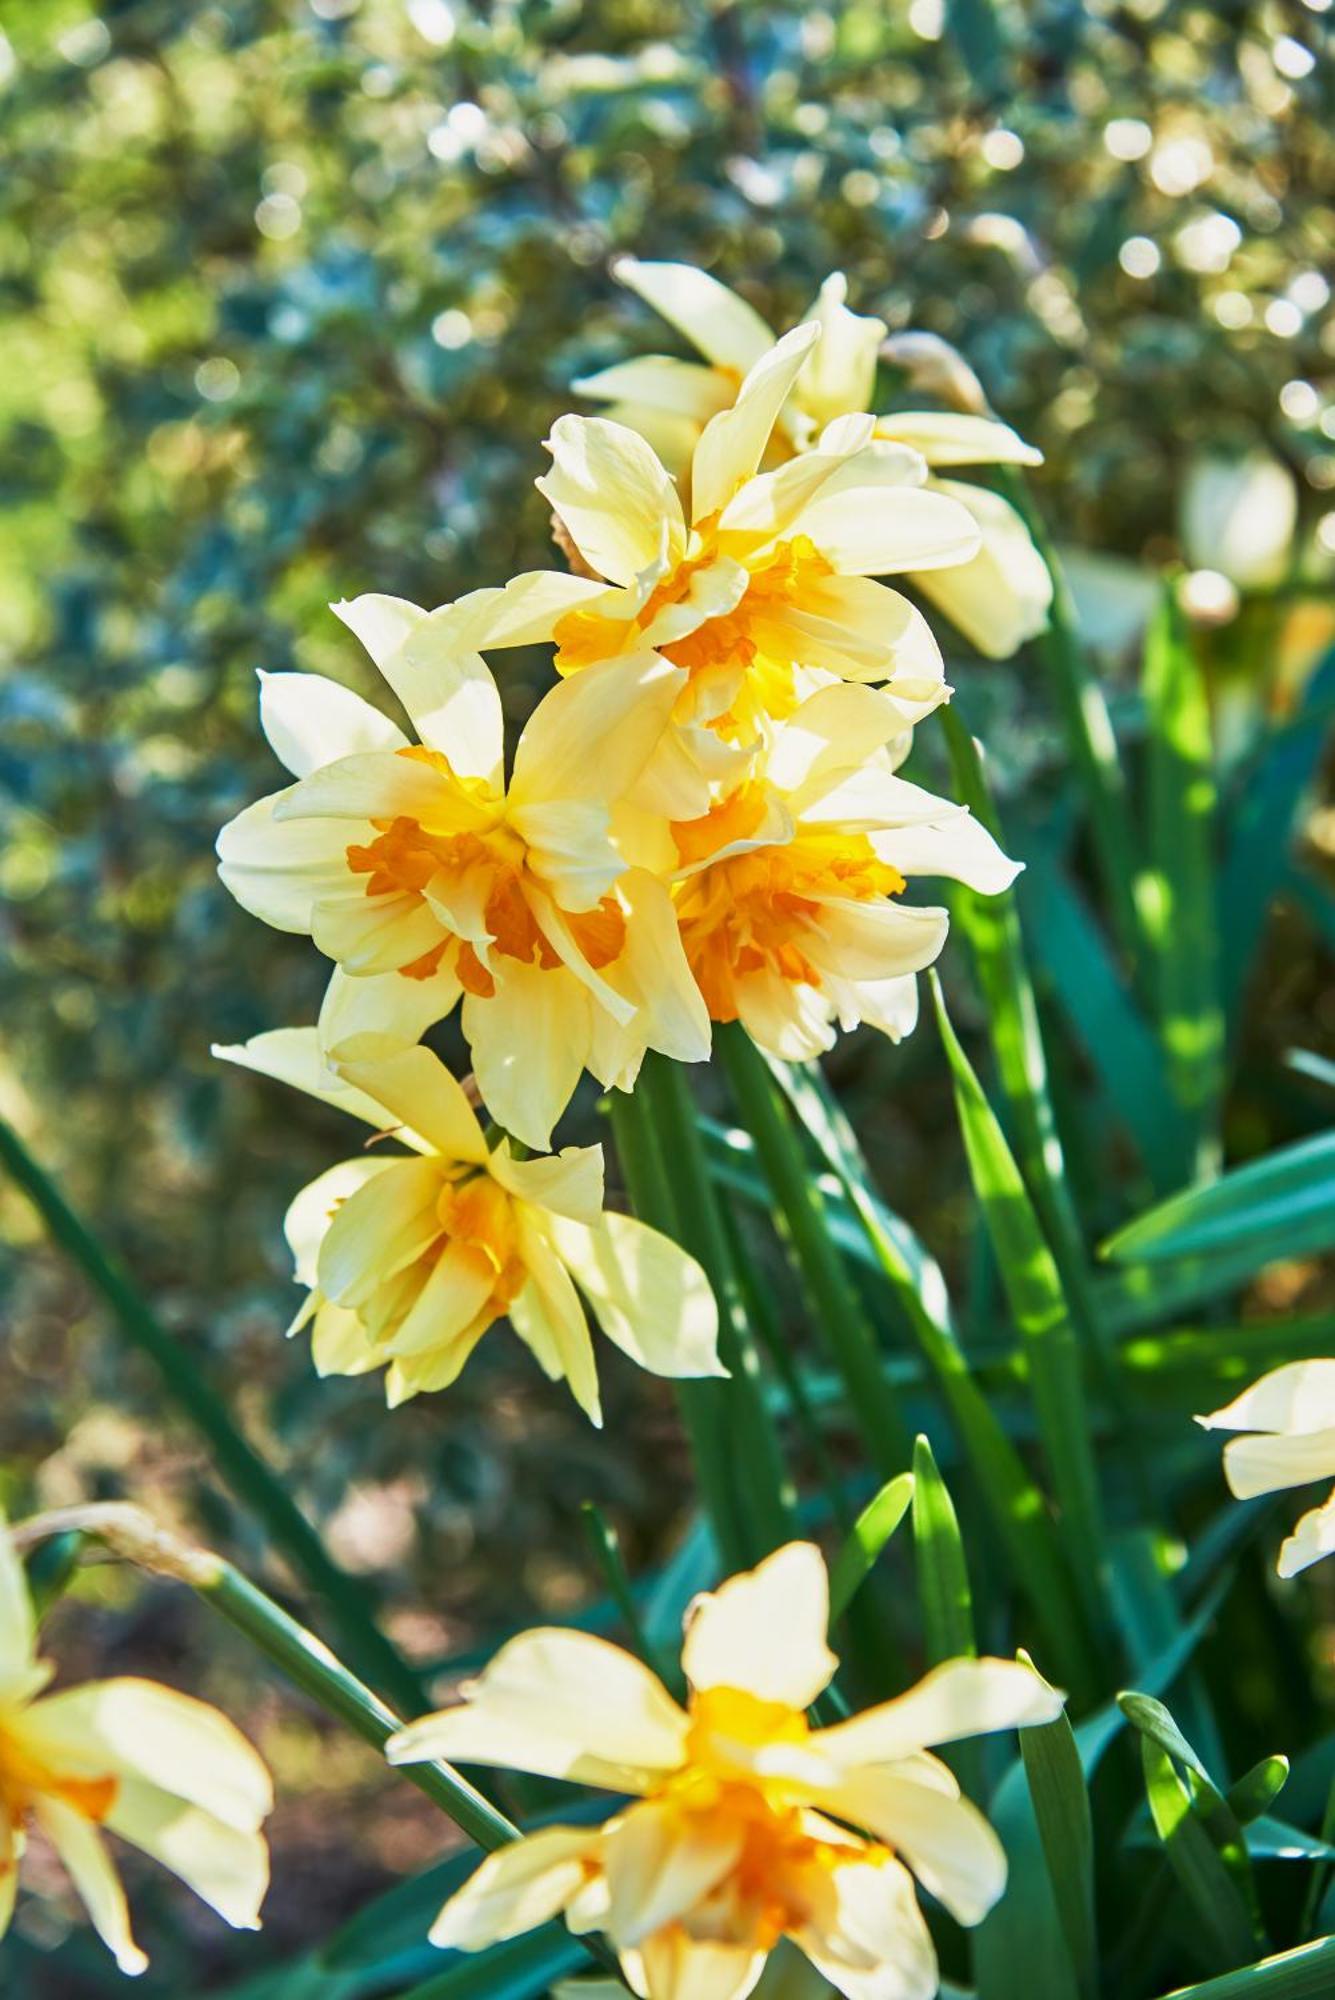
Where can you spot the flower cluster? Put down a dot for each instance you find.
(746, 1825)
(701, 822)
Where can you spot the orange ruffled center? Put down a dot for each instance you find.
(405, 858)
(25, 1778)
(479, 1216)
(740, 642)
(754, 912)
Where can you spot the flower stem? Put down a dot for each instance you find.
(835, 1305)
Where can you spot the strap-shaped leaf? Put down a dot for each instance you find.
(871, 1531)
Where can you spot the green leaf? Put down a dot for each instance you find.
(1175, 896)
(520, 1969)
(1020, 1950)
(1305, 1974)
(1225, 1928)
(1066, 1829)
(1038, 1304)
(943, 1573)
(1256, 1790)
(1279, 1206)
(871, 1531)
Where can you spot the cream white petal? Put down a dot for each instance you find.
(833, 732)
(671, 438)
(659, 1863)
(371, 935)
(570, 849)
(310, 721)
(381, 623)
(868, 1937)
(293, 1056)
(764, 1630)
(672, 1965)
(529, 1043)
(946, 1841)
(388, 1004)
(382, 784)
(1298, 1397)
(549, 1319)
(10, 1855)
(568, 1183)
(773, 505)
(733, 443)
(516, 1889)
(886, 532)
(81, 1849)
(522, 612)
(621, 705)
(445, 1312)
(278, 870)
(950, 437)
(958, 846)
(416, 1090)
(1312, 1538)
(725, 329)
(842, 369)
(227, 1866)
(1000, 596)
(874, 940)
(787, 1021)
(653, 970)
(889, 1005)
(340, 1344)
(561, 1704)
(379, 1230)
(647, 1295)
(658, 382)
(18, 1628)
(957, 1699)
(1265, 1463)
(613, 495)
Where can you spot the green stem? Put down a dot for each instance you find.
(250, 1479)
(1089, 729)
(606, 1546)
(836, 1308)
(749, 1436)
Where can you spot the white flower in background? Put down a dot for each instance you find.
(999, 597)
(788, 890)
(428, 878)
(746, 1825)
(1291, 1413)
(166, 1773)
(1238, 516)
(409, 1257)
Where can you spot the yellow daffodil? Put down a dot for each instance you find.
(772, 576)
(999, 597)
(747, 1825)
(1291, 1413)
(426, 877)
(411, 1256)
(168, 1774)
(789, 888)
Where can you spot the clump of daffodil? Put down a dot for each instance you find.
(166, 1773)
(770, 579)
(409, 1257)
(746, 1825)
(789, 889)
(1291, 1415)
(999, 597)
(427, 877)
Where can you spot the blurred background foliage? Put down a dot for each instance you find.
(290, 291)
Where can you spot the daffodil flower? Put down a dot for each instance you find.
(746, 1824)
(998, 597)
(427, 878)
(166, 1773)
(770, 578)
(1291, 1413)
(789, 888)
(409, 1257)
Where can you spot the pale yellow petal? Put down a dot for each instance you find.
(278, 870)
(1298, 1397)
(957, 846)
(733, 443)
(1266, 1463)
(549, 1319)
(81, 1849)
(516, 1889)
(772, 505)
(790, 1022)
(675, 1966)
(652, 970)
(340, 1344)
(529, 1044)
(380, 785)
(227, 1866)
(384, 1226)
(867, 1936)
(570, 850)
(293, 1056)
(764, 1630)
(647, 1295)
(372, 935)
(561, 1704)
(725, 329)
(446, 1311)
(1001, 595)
(1312, 1538)
(659, 1863)
(882, 531)
(949, 437)
(617, 501)
(310, 721)
(946, 1841)
(622, 706)
(842, 370)
(385, 1003)
(660, 383)
(958, 1699)
(18, 1628)
(415, 1089)
(568, 1183)
(381, 623)
(310, 1213)
(874, 940)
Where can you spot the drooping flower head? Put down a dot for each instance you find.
(1291, 1415)
(998, 597)
(747, 1825)
(789, 890)
(166, 1773)
(409, 1257)
(427, 877)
